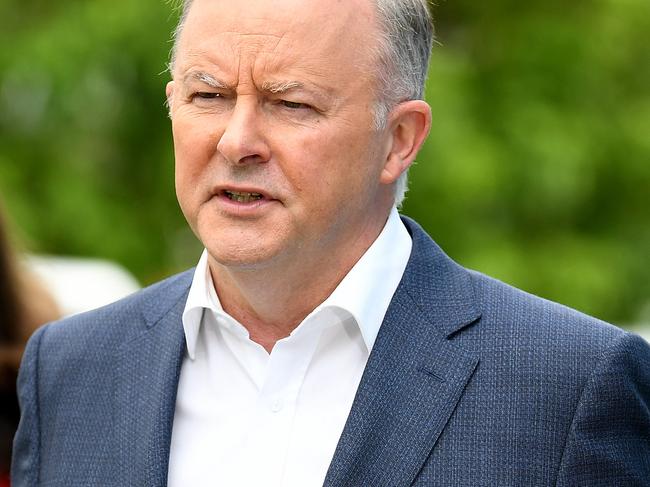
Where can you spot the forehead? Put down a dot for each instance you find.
(320, 37)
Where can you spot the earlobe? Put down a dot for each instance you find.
(410, 122)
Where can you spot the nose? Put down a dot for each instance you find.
(243, 141)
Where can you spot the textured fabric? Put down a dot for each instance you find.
(470, 383)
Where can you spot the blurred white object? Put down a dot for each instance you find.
(79, 284)
(644, 332)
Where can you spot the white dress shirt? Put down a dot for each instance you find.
(245, 417)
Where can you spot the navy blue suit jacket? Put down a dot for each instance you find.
(470, 383)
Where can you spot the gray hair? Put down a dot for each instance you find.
(403, 49)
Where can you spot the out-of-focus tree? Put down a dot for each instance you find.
(537, 169)
(86, 161)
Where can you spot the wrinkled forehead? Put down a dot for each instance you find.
(339, 32)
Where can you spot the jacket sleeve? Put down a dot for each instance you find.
(26, 448)
(609, 440)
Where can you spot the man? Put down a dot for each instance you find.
(321, 339)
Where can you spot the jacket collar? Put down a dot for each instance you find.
(146, 379)
(415, 375)
(441, 289)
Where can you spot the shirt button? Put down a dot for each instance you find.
(276, 405)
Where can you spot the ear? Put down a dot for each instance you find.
(169, 93)
(409, 124)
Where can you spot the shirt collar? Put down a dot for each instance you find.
(363, 295)
(198, 300)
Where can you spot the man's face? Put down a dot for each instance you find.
(272, 104)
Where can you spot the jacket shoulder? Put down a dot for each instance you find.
(106, 327)
(535, 337)
(503, 305)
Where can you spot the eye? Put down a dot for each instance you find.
(206, 95)
(293, 105)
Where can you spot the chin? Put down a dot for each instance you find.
(243, 244)
(238, 255)
(238, 260)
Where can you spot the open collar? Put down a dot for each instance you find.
(363, 295)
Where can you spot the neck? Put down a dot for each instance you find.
(271, 301)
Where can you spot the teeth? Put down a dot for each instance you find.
(243, 197)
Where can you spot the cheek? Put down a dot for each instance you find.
(194, 147)
(327, 171)
(340, 161)
(308, 162)
(194, 140)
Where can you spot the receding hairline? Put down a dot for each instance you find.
(182, 54)
(185, 5)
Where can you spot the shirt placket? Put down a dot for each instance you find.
(279, 399)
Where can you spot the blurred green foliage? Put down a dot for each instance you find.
(537, 170)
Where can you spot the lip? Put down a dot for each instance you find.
(220, 191)
(242, 209)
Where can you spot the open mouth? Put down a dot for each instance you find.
(242, 196)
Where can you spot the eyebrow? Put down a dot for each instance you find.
(204, 78)
(279, 87)
(274, 87)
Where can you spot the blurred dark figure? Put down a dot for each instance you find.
(24, 306)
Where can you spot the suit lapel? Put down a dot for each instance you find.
(147, 374)
(415, 375)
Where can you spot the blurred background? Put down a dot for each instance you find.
(537, 170)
